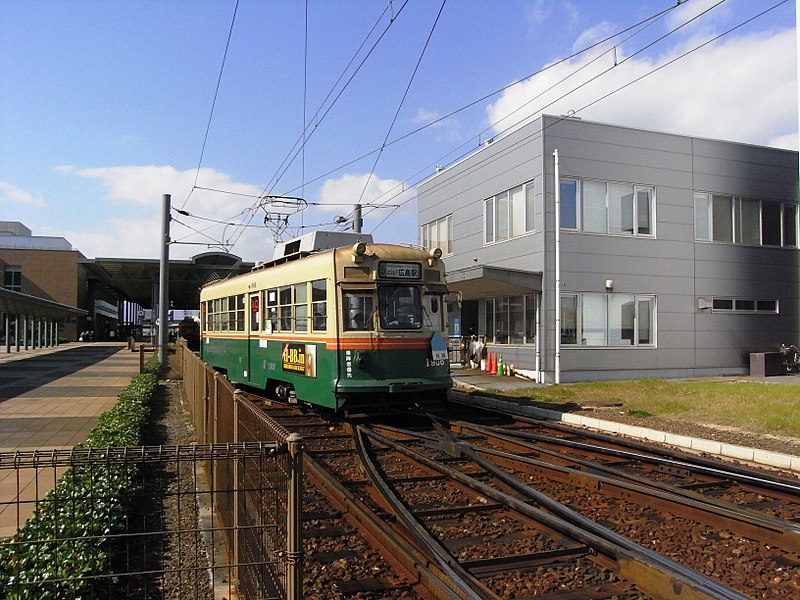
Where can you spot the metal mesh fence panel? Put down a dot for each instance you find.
(132, 523)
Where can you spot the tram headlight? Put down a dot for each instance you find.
(359, 250)
(433, 255)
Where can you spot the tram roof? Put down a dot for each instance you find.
(136, 279)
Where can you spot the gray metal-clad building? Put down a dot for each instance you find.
(677, 256)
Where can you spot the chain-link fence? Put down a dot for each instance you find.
(160, 539)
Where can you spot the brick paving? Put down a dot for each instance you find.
(50, 398)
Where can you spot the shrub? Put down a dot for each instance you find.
(59, 549)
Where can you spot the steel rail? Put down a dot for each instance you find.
(653, 573)
(695, 462)
(464, 582)
(421, 573)
(751, 524)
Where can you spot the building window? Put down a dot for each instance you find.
(509, 214)
(738, 220)
(744, 305)
(438, 234)
(608, 320)
(607, 207)
(510, 319)
(12, 278)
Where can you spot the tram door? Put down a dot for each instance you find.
(254, 329)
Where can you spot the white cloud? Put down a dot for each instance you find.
(389, 207)
(424, 116)
(742, 89)
(15, 195)
(593, 35)
(448, 129)
(137, 191)
(689, 10)
(540, 12)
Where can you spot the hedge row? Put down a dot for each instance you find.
(64, 545)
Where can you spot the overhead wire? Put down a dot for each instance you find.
(285, 166)
(317, 119)
(214, 101)
(402, 100)
(628, 84)
(527, 138)
(645, 21)
(660, 67)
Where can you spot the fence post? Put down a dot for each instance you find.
(141, 359)
(239, 483)
(294, 541)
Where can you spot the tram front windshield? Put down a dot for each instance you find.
(399, 307)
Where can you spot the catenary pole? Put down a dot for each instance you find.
(557, 274)
(163, 284)
(357, 220)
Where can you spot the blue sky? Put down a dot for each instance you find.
(104, 106)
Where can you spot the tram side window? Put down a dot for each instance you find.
(285, 307)
(271, 318)
(236, 313)
(400, 307)
(357, 310)
(206, 316)
(221, 316)
(319, 305)
(300, 307)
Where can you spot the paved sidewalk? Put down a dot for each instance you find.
(50, 399)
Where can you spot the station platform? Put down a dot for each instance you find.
(50, 398)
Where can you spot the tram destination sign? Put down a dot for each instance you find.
(399, 270)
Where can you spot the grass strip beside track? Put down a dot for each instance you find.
(751, 406)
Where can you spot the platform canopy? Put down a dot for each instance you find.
(17, 303)
(136, 279)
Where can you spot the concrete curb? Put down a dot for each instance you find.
(761, 457)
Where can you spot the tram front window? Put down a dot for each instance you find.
(400, 307)
(357, 311)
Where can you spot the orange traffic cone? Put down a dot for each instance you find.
(494, 364)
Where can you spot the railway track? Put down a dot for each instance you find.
(495, 507)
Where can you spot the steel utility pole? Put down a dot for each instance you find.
(163, 285)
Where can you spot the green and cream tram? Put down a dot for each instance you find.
(355, 329)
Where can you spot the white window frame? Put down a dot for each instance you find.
(490, 232)
(736, 219)
(637, 298)
(429, 235)
(580, 226)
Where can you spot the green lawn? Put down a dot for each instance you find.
(756, 407)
